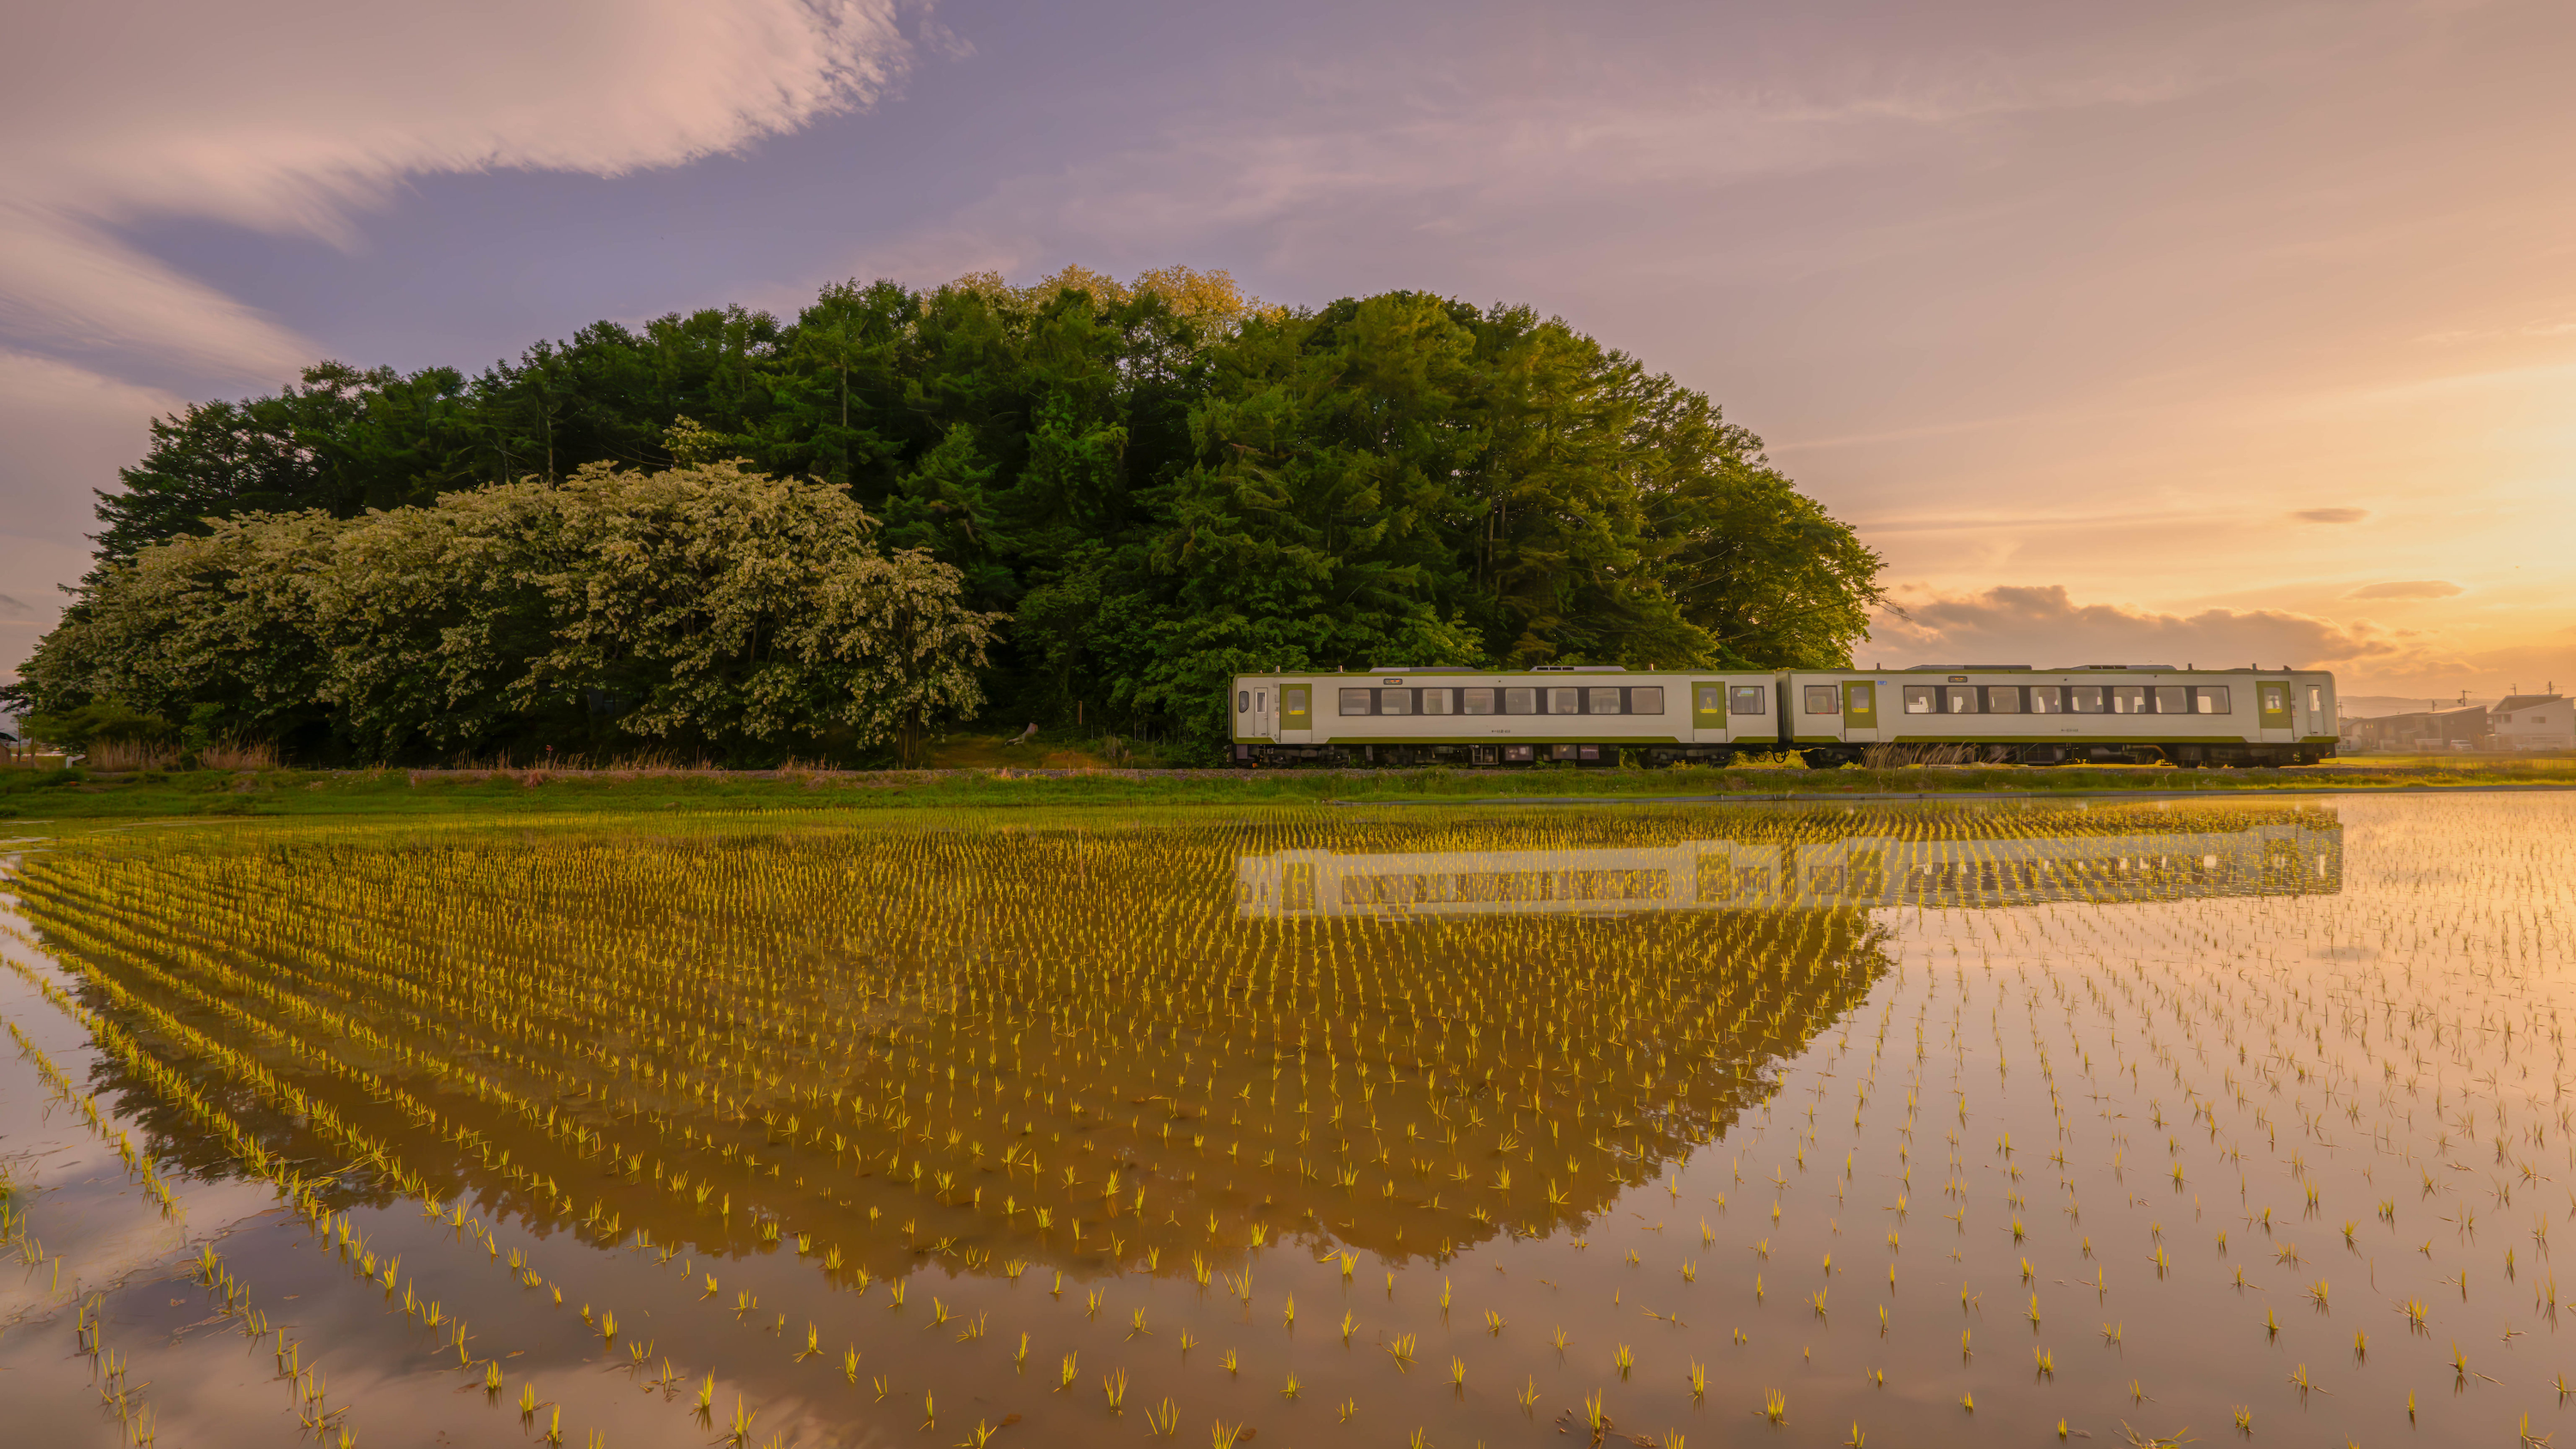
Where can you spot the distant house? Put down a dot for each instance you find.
(2535, 722)
(2432, 729)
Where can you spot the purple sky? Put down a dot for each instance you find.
(2207, 333)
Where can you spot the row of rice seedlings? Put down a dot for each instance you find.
(146, 1172)
(303, 1194)
(227, 1296)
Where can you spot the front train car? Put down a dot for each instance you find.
(2132, 713)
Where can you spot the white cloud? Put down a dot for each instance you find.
(287, 116)
(2042, 625)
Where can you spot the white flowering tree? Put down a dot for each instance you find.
(703, 606)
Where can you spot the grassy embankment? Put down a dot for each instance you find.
(68, 795)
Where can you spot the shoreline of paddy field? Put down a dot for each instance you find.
(75, 795)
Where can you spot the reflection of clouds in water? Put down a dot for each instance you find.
(2278, 852)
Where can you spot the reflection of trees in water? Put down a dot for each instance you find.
(996, 1042)
(1456, 1079)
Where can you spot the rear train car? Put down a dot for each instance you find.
(2140, 714)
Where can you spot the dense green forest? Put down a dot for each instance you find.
(1135, 490)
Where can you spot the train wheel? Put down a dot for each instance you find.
(1821, 759)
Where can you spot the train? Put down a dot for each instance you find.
(2286, 853)
(1603, 715)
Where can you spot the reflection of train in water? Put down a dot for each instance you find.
(2291, 854)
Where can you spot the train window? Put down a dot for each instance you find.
(1565, 701)
(1649, 700)
(1479, 701)
(1243, 701)
(2128, 699)
(1604, 701)
(2003, 699)
(2173, 699)
(1748, 699)
(1395, 701)
(1960, 699)
(1920, 699)
(1436, 701)
(1261, 699)
(2084, 699)
(2316, 700)
(1824, 699)
(1355, 701)
(1520, 701)
(2211, 699)
(2044, 700)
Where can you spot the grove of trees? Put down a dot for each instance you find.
(730, 534)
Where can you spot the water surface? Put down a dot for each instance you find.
(1930, 1125)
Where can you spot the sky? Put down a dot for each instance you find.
(2193, 333)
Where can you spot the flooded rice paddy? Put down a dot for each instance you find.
(1964, 1124)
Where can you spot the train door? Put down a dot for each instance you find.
(1296, 713)
(1708, 711)
(1261, 711)
(1860, 711)
(1749, 716)
(2272, 705)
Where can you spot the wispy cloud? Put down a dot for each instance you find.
(2457, 335)
(2408, 589)
(2331, 515)
(1471, 140)
(2044, 625)
(291, 116)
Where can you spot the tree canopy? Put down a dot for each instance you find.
(1128, 492)
(700, 607)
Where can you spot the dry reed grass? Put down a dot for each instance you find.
(130, 755)
(238, 755)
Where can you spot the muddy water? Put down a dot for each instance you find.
(1941, 1126)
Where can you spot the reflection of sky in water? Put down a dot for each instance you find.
(2021, 1127)
(2280, 852)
